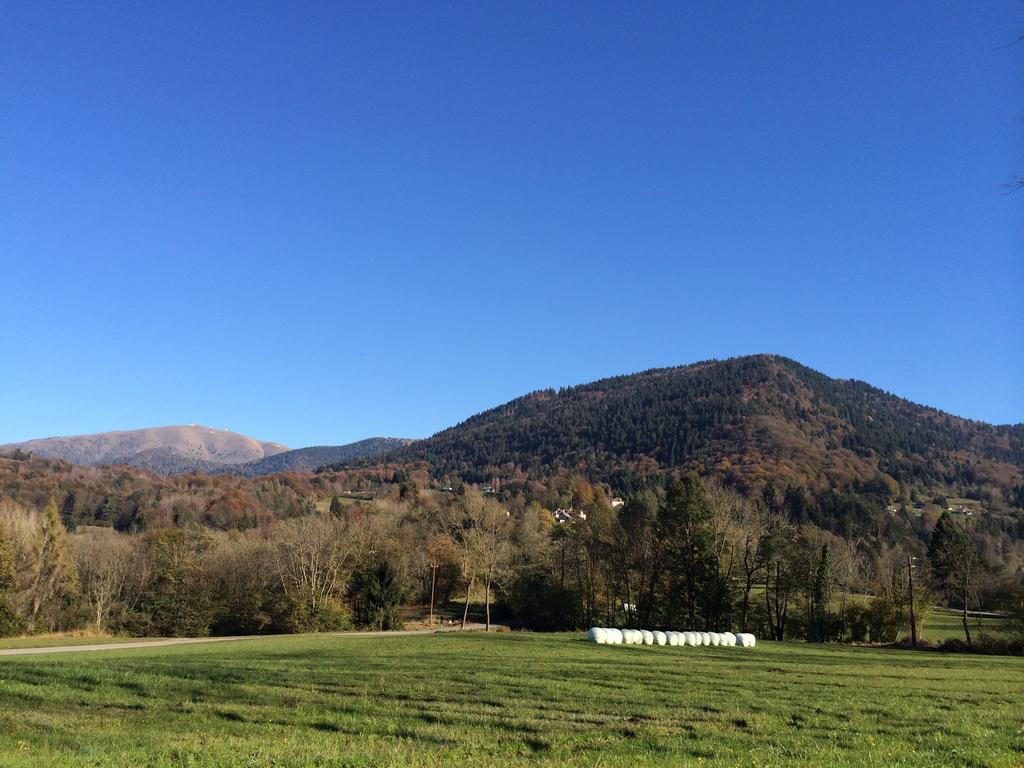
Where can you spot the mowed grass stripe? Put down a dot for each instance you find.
(498, 699)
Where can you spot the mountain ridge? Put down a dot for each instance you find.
(313, 457)
(747, 418)
(195, 448)
(168, 448)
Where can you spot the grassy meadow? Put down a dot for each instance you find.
(501, 699)
(941, 626)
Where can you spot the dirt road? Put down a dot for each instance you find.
(196, 640)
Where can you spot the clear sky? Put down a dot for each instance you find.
(317, 222)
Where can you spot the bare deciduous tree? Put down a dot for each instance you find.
(748, 533)
(105, 572)
(314, 559)
(481, 531)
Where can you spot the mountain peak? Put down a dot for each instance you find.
(746, 418)
(164, 449)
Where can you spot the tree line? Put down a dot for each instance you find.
(702, 555)
(694, 553)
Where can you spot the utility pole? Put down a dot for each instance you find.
(913, 618)
(433, 582)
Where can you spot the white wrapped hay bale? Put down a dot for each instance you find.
(631, 637)
(613, 636)
(598, 635)
(705, 638)
(692, 638)
(745, 640)
(728, 639)
(672, 638)
(648, 636)
(660, 638)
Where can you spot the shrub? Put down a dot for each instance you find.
(995, 645)
(885, 618)
(330, 616)
(858, 623)
(10, 622)
(534, 603)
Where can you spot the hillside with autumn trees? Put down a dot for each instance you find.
(748, 420)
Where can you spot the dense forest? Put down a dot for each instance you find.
(747, 420)
(131, 500)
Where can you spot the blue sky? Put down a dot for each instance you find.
(316, 222)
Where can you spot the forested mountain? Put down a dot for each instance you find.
(314, 457)
(167, 450)
(748, 419)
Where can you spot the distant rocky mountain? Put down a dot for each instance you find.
(167, 450)
(194, 448)
(314, 457)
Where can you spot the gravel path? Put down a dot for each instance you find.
(195, 640)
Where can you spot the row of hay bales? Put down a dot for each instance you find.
(609, 636)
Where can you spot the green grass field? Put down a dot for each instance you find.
(503, 698)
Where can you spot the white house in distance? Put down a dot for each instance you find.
(569, 515)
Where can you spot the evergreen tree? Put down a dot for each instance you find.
(382, 595)
(821, 594)
(9, 621)
(769, 497)
(7, 574)
(335, 507)
(53, 563)
(67, 512)
(696, 594)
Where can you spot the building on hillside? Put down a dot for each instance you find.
(569, 515)
(962, 509)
